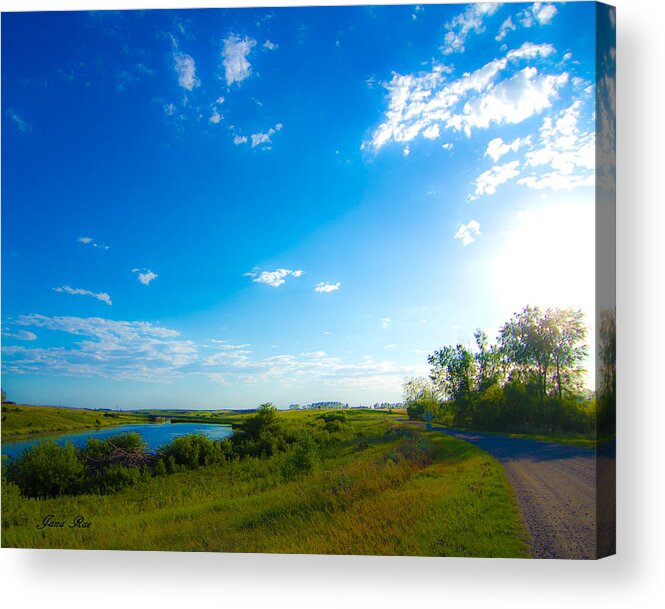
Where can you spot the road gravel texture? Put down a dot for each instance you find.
(555, 487)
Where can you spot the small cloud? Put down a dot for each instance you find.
(270, 46)
(386, 321)
(406, 151)
(219, 100)
(447, 146)
(498, 148)
(215, 117)
(21, 125)
(325, 287)
(145, 276)
(240, 139)
(390, 346)
(103, 296)
(185, 68)
(234, 58)
(468, 232)
(506, 27)
(93, 243)
(21, 335)
(274, 278)
(169, 109)
(471, 20)
(487, 182)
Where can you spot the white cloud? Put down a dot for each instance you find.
(169, 109)
(498, 148)
(386, 321)
(215, 117)
(529, 50)
(258, 139)
(234, 58)
(544, 13)
(21, 335)
(103, 296)
(270, 46)
(539, 12)
(564, 151)
(134, 350)
(185, 68)
(21, 125)
(90, 241)
(145, 276)
(511, 101)
(327, 287)
(390, 346)
(471, 20)
(486, 183)
(420, 104)
(506, 27)
(274, 278)
(432, 132)
(468, 232)
(219, 100)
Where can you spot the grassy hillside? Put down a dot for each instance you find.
(385, 489)
(18, 420)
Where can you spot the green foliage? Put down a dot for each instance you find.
(301, 457)
(47, 469)
(130, 442)
(531, 379)
(192, 451)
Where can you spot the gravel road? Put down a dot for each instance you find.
(555, 489)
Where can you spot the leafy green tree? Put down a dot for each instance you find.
(47, 469)
(420, 397)
(453, 375)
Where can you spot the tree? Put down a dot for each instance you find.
(453, 375)
(419, 397)
(546, 347)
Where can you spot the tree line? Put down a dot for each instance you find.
(531, 378)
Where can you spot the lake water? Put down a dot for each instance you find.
(155, 434)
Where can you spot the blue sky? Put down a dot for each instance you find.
(217, 208)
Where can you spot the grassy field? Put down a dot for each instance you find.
(21, 420)
(386, 489)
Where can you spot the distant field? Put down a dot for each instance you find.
(387, 488)
(20, 420)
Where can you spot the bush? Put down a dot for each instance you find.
(301, 458)
(47, 469)
(192, 451)
(129, 442)
(115, 477)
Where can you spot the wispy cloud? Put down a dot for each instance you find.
(270, 46)
(90, 241)
(21, 124)
(215, 117)
(239, 139)
(325, 287)
(386, 321)
(487, 182)
(234, 58)
(262, 138)
(185, 68)
(471, 20)
(274, 278)
(468, 232)
(107, 348)
(20, 335)
(103, 296)
(498, 148)
(425, 103)
(145, 276)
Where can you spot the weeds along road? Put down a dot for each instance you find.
(555, 487)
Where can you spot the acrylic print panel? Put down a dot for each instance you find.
(332, 280)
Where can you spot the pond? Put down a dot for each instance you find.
(154, 434)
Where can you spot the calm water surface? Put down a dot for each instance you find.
(155, 434)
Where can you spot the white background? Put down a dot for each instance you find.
(634, 577)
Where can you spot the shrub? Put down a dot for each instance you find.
(115, 477)
(47, 469)
(191, 451)
(301, 458)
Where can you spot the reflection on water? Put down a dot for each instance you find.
(154, 434)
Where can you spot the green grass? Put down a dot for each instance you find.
(21, 420)
(388, 489)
